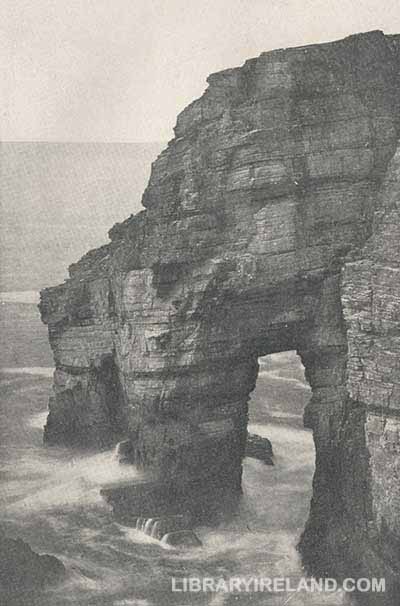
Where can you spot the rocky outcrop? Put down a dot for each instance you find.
(271, 223)
(182, 538)
(259, 448)
(23, 571)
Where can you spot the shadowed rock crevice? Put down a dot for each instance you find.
(87, 407)
(271, 224)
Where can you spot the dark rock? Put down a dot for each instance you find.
(22, 570)
(125, 452)
(182, 538)
(259, 448)
(195, 502)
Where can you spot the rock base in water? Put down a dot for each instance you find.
(182, 538)
(202, 500)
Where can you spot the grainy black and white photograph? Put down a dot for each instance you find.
(200, 303)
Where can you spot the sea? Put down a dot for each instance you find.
(50, 496)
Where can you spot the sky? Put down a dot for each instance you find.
(58, 200)
(121, 70)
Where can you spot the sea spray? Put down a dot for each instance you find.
(139, 523)
(65, 480)
(108, 559)
(38, 421)
(148, 525)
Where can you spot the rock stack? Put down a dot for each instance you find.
(271, 223)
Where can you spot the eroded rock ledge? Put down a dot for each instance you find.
(271, 223)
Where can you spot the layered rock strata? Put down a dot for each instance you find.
(271, 223)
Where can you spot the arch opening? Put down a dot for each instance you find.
(279, 496)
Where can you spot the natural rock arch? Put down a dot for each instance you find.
(271, 223)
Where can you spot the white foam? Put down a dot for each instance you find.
(43, 371)
(137, 536)
(38, 420)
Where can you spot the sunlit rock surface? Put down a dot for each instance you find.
(271, 224)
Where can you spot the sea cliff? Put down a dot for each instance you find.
(271, 223)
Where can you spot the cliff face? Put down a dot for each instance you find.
(271, 223)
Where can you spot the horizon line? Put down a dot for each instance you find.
(85, 142)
